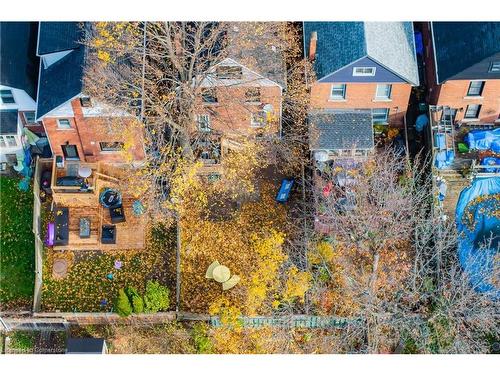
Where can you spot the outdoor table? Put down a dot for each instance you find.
(221, 274)
(84, 227)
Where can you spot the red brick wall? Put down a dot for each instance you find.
(362, 95)
(87, 132)
(231, 115)
(452, 94)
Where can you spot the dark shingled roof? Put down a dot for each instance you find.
(18, 60)
(84, 345)
(62, 80)
(459, 45)
(58, 36)
(341, 129)
(339, 44)
(8, 121)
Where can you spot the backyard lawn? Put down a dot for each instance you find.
(93, 281)
(16, 245)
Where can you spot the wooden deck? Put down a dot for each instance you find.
(129, 234)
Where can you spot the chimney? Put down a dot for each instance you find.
(312, 45)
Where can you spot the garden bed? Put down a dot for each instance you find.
(17, 245)
(93, 278)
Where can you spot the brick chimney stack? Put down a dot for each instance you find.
(312, 45)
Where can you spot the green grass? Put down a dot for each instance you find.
(17, 245)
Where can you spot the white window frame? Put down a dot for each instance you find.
(26, 120)
(204, 120)
(476, 114)
(258, 124)
(105, 148)
(9, 139)
(9, 94)
(386, 116)
(481, 91)
(3, 143)
(64, 127)
(338, 97)
(494, 67)
(357, 73)
(384, 97)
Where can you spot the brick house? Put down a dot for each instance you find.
(235, 103)
(462, 61)
(365, 68)
(93, 145)
(77, 127)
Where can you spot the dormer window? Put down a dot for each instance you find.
(364, 71)
(495, 67)
(7, 97)
(229, 72)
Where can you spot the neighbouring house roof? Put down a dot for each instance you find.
(254, 45)
(341, 129)
(460, 45)
(391, 44)
(85, 346)
(58, 36)
(248, 77)
(8, 121)
(18, 59)
(62, 79)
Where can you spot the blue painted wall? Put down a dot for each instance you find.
(344, 75)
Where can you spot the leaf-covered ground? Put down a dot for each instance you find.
(86, 285)
(17, 248)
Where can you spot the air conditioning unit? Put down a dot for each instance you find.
(59, 161)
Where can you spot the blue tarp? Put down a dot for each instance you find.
(444, 158)
(477, 224)
(484, 140)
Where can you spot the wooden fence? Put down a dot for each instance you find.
(37, 231)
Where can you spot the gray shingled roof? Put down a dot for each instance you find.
(58, 36)
(341, 129)
(18, 60)
(459, 45)
(62, 80)
(84, 345)
(8, 121)
(339, 44)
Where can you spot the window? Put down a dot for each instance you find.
(338, 91)
(111, 146)
(203, 123)
(70, 152)
(7, 97)
(258, 119)
(11, 141)
(380, 115)
(2, 142)
(252, 95)
(85, 101)
(229, 72)
(363, 71)
(495, 67)
(383, 92)
(29, 117)
(472, 111)
(209, 95)
(449, 111)
(63, 123)
(475, 88)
